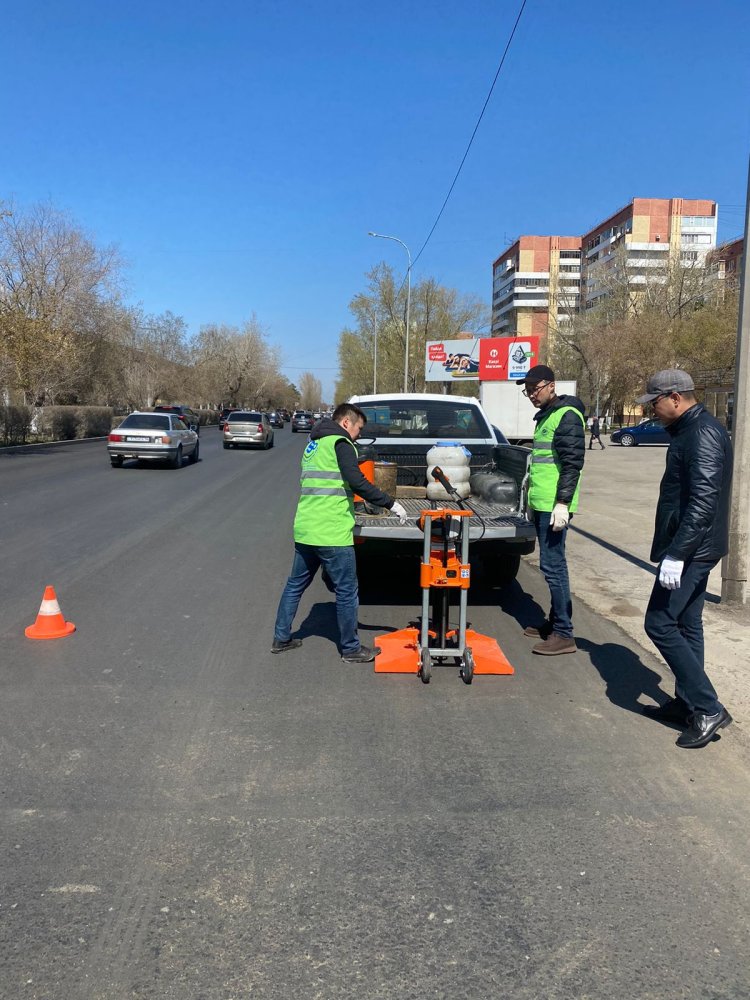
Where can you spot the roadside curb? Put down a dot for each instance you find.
(13, 449)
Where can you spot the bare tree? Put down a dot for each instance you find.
(52, 276)
(311, 391)
(437, 313)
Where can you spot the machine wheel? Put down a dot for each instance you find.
(226, 445)
(627, 440)
(177, 460)
(116, 461)
(425, 665)
(467, 669)
(196, 453)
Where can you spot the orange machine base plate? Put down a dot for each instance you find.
(399, 653)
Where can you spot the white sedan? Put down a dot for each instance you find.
(156, 437)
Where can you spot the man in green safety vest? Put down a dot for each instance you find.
(554, 481)
(323, 529)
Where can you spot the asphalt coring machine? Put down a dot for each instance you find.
(445, 568)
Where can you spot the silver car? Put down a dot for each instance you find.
(159, 437)
(248, 427)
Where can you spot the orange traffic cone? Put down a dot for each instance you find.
(49, 623)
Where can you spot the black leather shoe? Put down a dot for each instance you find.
(674, 711)
(281, 647)
(702, 728)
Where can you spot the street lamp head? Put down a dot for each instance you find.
(372, 234)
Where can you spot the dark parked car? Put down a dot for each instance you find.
(302, 421)
(224, 414)
(649, 432)
(186, 414)
(275, 419)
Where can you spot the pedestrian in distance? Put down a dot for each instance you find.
(323, 529)
(596, 434)
(691, 535)
(557, 456)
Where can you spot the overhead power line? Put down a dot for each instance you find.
(471, 140)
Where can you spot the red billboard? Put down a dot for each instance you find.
(506, 358)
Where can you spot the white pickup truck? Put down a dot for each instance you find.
(401, 428)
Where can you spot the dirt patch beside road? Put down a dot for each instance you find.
(608, 557)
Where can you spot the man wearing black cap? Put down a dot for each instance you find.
(557, 458)
(691, 534)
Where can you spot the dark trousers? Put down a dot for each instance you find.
(674, 623)
(339, 563)
(555, 570)
(598, 438)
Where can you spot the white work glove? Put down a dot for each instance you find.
(560, 517)
(670, 572)
(400, 511)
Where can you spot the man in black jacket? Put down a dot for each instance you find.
(691, 535)
(554, 479)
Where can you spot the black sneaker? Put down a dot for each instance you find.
(281, 647)
(674, 711)
(365, 654)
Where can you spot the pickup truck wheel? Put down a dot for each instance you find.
(496, 570)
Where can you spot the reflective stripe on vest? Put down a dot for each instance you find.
(325, 512)
(544, 473)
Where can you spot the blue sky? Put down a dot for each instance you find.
(239, 152)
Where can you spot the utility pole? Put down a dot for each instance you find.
(734, 569)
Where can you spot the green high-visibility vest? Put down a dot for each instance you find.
(545, 464)
(325, 512)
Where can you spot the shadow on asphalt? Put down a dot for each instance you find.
(626, 676)
(615, 549)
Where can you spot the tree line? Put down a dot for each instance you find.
(681, 316)
(68, 337)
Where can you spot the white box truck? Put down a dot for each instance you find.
(511, 412)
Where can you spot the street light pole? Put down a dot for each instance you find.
(395, 239)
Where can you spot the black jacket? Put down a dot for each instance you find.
(692, 515)
(569, 444)
(348, 464)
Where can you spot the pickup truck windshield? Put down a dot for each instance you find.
(424, 419)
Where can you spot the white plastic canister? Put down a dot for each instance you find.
(453, 459)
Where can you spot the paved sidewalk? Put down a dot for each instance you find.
(608, 556)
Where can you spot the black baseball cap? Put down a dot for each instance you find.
(539, 373)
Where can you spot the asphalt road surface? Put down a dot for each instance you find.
(184, 815)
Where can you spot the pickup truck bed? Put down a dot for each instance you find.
(404, 426)
(500, 520)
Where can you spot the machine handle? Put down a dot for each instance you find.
(437, 473)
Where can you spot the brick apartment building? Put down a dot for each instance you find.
(540, 281)
(538, 277)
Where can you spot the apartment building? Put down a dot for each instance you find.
(725, 262)
(536, 285)
(654, 233)
(539, 282)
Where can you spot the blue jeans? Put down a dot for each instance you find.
(674, 623)
(339, 563)
(555, 569)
